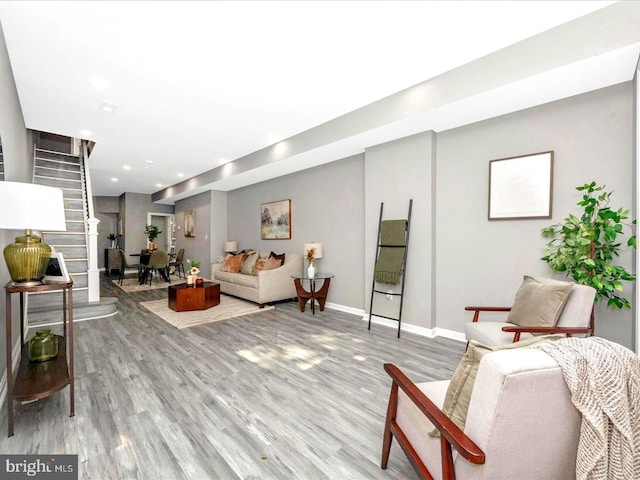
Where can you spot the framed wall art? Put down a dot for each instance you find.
(275, 220)
(56, 269)
(521, 187)
(189, 223)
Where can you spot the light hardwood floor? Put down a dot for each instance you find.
(276, 395)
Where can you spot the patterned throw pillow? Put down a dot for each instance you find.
(271, 263)
(278, 257)
(258, 266)
(233, 263)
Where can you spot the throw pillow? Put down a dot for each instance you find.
(539, 304)
(278, 257)
(271, 263)
(249, 263)
(458, 396)
(233, 263)
(258, 266)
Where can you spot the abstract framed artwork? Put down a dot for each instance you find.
(189, 223)
(56, 269)
(275, 220)
(521, 187)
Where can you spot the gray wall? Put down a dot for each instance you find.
(106, 210)
(17, 166)
(198, 247)
(482, 262)
(326, 207)
(218, 224)
(456, 256)
(396, 172)
(133, 212)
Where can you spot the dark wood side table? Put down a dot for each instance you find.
(40, 380)
(112, 260)
(184, 298)
(314, 295)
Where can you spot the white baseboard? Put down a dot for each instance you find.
(405, 327)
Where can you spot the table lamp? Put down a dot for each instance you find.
(317, 249)
(230, 247)
(30, 207)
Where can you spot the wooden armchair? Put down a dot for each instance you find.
(577, 318)
(520, 424)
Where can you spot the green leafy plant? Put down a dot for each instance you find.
(584, 247)
(152, 232)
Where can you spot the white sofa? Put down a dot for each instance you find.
(267, 286)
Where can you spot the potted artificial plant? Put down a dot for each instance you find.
(585, 247)
(152, 232)
(113, 237)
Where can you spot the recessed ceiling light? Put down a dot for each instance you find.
(126, 167)
(180, 175)
(99, 83)
(149, 162)
(222, 161)
(85, 133)
(108, 107)
(114, 179)
(158, 184)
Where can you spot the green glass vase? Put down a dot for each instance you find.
(43, 347)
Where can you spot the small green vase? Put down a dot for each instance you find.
(43, 347)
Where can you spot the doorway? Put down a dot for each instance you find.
(164, 221)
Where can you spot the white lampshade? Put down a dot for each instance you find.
(29, 207)
(317, 249)
(230, 246)
(34, 207)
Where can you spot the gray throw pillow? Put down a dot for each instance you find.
(539, 304)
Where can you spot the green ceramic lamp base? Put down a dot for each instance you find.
(27, 259)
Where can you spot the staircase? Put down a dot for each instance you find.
(66, 171)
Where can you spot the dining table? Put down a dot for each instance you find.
(144, 260)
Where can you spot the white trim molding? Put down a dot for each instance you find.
(405, 327)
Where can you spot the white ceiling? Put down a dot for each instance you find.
(195, 84)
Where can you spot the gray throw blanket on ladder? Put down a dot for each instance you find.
(391, 256)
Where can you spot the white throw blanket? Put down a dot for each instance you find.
(604, 380)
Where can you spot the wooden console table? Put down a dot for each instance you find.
(184, 298)
(39, 380)
(320, 295)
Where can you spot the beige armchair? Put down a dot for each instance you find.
(576, 317)
(520, 423)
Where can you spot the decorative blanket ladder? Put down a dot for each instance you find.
(391, 260)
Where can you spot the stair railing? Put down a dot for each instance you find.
(91, 229)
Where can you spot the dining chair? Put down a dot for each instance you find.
(178, 264)
(125, 266)
(159, 263)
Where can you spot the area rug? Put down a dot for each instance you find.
(131, 284)
(229, 307)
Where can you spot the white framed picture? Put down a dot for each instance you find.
(521, 187)
(56, 269)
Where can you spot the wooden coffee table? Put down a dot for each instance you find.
(184, 298)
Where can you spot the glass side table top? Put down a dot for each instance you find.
(318, 276)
